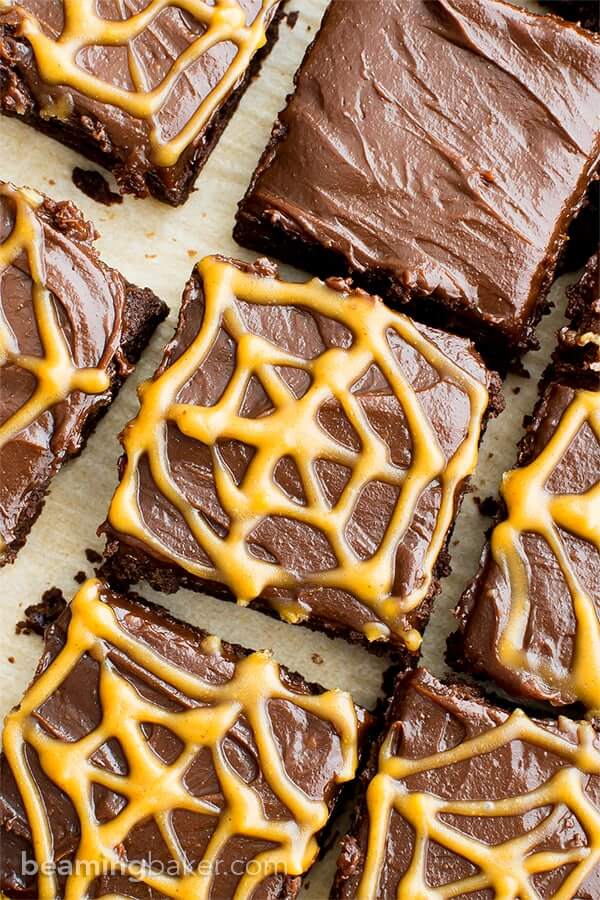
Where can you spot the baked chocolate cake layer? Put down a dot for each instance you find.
(145, 90)
(578, 354)
(463, 799)
(150, 760)
(531, 618)
(437, 151)
(301, 448)
(71, 328)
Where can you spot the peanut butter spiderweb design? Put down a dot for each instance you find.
(532, 509)
(225, 21)
(56, 374)
(153, 788)
(505, 868)
(292, 429)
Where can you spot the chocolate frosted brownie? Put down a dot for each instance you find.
(531, 618)
(437, 151)
(143, 88)
(150, 760)
(463, 799)
(301, 448)
(70, 330)
(579, 345)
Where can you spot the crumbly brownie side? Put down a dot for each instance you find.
(577, 356)
(87, 134)
(585, 12)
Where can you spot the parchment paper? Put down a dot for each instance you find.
(157, 246)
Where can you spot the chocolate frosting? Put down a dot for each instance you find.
(118, 134)
(431, 718)
(551, 625)
(291, 543)
(310, 750)
(89, 299)
(445, 144)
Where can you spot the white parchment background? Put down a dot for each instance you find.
(156, 246)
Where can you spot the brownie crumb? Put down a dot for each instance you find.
(291, 18)
(80, 577)
(516, 389)
(11, 660)
(40, 615)
(93, 184)
(317, 659)
(93, 556)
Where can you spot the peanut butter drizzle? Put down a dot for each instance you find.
(292, 429)
(155, 789)
(532, 509)
(225, 21)
(505, 868)
(57, 376)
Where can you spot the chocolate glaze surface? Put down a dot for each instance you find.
(108, 133)
(434, 150)
(310, 750)
(91, 301)
(552, 626)
(291, 543)
(428, 718)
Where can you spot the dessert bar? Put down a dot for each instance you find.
(531, 618)
(437, 151)
(150, 760)
(144, 89)
(302, 448)
(464, 799)
(70, 330)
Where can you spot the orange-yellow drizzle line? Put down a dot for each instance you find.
(56, 374)
(532, 509)
(153, 788)
(293, 429)
(56, 59)
(505, 868)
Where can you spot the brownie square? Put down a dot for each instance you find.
(301, 448)
(149, 760)
(464, 799)
(144, 89)
(70, 330)
(531, 618)
(437, 152)
(578, 353)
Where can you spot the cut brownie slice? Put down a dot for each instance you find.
(437, 151)
(148, 759)
(463, 799)
(585, 12)
(144, 89)
(301, 448)
(70, 329)
(579, 345)
(531, 618)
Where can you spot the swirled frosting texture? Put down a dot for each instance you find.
(443, 143)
